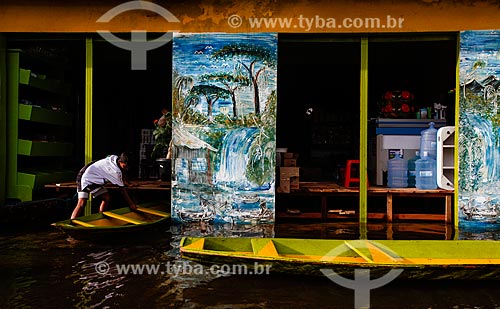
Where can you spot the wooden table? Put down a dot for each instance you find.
(325, 189)
(413, 192)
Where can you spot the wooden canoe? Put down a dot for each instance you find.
(419, 259)
(116, 222)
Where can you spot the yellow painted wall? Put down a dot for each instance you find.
(241, 16)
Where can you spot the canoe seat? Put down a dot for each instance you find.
(198, 244)
(153, 211)
(123, 218)
(85, 224)
(264, 247)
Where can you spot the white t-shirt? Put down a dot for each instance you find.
(102, 171)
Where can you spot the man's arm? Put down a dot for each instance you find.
(127, 198)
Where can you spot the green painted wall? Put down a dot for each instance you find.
(3, 121)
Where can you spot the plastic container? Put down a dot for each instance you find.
(425, 168)
(428, 141)
(412, 170)
(397, 173)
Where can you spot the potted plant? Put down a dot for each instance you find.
(162, 135)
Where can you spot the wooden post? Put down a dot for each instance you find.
(447, 212)
(324, 207)
(389, 207)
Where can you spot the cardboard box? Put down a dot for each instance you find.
(288, 155)
(294, 183)
(288, 172)
(290, 162)
(285, 185)
(280, 156)
(289, 184)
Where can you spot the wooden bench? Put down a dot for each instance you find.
(123, 218)
(324, 190)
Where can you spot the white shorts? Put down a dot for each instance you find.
(95, 193)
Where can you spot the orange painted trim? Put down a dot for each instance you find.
(303, 16)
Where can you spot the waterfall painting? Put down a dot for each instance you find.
(479, 127)
(224, 127)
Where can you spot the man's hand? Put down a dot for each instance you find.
(133, 206)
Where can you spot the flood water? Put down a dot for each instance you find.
(45, 268)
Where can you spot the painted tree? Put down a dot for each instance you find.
(468, 77)
(211, 93)
(183, 84)
(231, 82)
(181, 87)
(254, 54)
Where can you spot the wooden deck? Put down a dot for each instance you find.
(324, 190)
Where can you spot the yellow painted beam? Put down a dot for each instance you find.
(457, 132)
(88, 110)
(88, 98)
(363, 138)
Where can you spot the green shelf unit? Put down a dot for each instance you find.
(27, 181)
(26, 77)
(37, 179)
(46, 149)
(22, 182)
(44, 115)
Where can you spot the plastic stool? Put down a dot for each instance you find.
(348, 179)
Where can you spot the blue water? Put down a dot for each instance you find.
(46, 269)
(234, 156)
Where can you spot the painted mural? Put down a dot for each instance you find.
(479, 137)
(224, 127)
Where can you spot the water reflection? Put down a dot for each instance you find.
(351, 230)
(48, 269)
